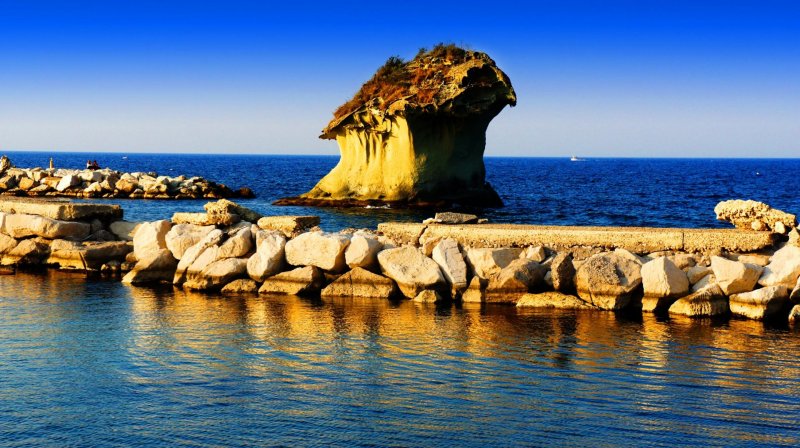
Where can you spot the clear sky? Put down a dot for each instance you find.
(606, 78)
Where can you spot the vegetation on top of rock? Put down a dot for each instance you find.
(427, 83)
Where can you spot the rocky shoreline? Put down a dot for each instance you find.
(109, 184)
(751, 272)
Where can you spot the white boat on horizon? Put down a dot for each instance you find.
(576, 159)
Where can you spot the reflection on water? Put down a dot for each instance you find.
(91, 362)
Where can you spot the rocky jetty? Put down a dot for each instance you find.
(108, 183)
(698, 273)
(414, 134)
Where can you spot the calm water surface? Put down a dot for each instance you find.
(93, 363)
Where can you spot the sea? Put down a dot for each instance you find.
(91, 362)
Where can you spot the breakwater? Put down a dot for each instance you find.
(700, 273)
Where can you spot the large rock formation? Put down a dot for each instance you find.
(415, 133)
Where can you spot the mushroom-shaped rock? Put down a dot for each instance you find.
(412, 270)
(608, 280)
(707, 302)
(183, 236)
(487, 262)
(552, 299)
(447, 255)
(663, 282)
(562, 273)
(361, 283)
(416, 133)
(735, 277)
(269, 257)
(783, 268)
(362, 251)
(764, 303)
(519, 277)
(298, 281)
(323, 250)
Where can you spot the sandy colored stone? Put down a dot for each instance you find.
(24, 225)
(429, 296)
(661, 278)
(362, 252)
(519, 277)
(238, 244)
(783, 268)
(155, 266)
(534, 253)
(227, 207)
(608, 281)
(269, 258)
(455, 218)
(87, 255)
(707, 302)
(206, 219)
(240, 286)
(487, 262)
(6, 243)
(756, 259)
(562, 272)
(634, 239)
(696, 273)
(412, 270)
(289, 225)
(794, 315)
(31, 252)
(217, 274)
(61, 209)
(764, 303)
(795, 295)
(450, 260)
(190, 256)
(299, 281)
(552, 299)
(735, 277)
(124, 230)
(476, 291)
(183, 236)
(361, 283)
(746, 214)
(150, 237)
(320, 249)
(704, 282)
(66, 182)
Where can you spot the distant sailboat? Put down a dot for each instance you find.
(576, 159)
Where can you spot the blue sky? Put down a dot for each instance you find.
(630, 79)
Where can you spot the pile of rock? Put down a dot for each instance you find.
(107, 183)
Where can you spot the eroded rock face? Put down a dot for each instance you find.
(416, 133)
(552, 299)
(707, 302)
(754, 215)
(608, 280)
(412, 270)
(360, 283)
(760, 304)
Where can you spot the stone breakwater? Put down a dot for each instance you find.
(108, 183)
(743, 272)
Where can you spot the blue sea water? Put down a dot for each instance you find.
(620, 192)
(88, 362)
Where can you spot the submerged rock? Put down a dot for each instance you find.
(423, 124)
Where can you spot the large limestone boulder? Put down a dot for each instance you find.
(562, 273)
(299, 281)
(516, 279)
(323, 250)
(735, 277)
(663, 282)
(225, 207)
(423, 125)
(447, 255)
(608, 281)
(412, 270)
(157, 265)
(360, 283)
(764, 303)
(190, 256)
(754, 215)
(151, 237)
(553, 299)
(704, 282)
(6, 243)
(269, 258)
(183, 236)
(30, 252)
(290, 226)
(217, 274)
(696, 273)
(20, 225)
(362, 252)
(206, 219)
(783, 269)
(487, 262)
(67, 182)
(238, 244)
(124, 230)
(707, 302)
